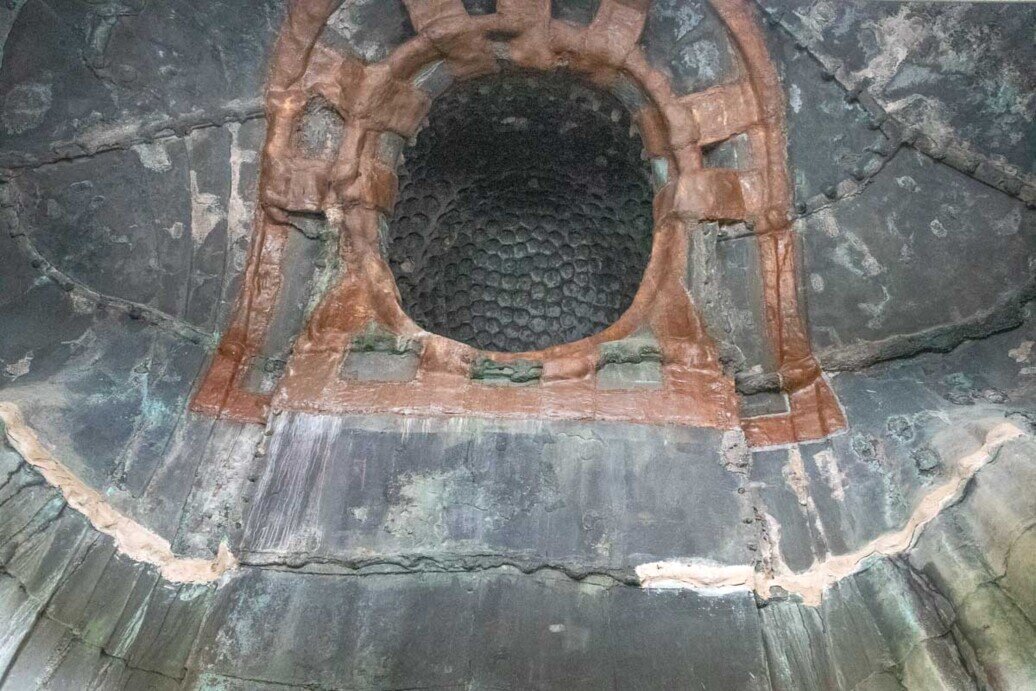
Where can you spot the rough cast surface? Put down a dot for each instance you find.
(385, 553)
(524, 214)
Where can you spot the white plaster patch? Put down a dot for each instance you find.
(876, 309)
(153, 156)
(817, 282)
(795, 98)
(239, 212)
(20, 367)
(908, 183)
(707, 59)
(795, 476)
(827, 464)
(131, 538)
(854, 255)
(797, 479)
(687, 17)
(826, 219)
(206, 211)
(930, 116)
(702, 575)
(1023, 352)
(82, 303)
(896, 37)
(708, 578)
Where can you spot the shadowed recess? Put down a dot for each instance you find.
(524, 214)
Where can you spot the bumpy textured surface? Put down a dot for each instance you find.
(400, 552)
(524, 217)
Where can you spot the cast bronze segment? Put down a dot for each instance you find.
(356, 188)
(814, 410)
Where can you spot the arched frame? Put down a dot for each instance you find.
(357, 188)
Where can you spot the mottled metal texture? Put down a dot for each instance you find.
(393, 575)
(400, 552)
(381, 102)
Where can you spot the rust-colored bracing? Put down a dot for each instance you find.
(356, 189)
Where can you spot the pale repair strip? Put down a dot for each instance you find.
(131, 539)
(712, 578)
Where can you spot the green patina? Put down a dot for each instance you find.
(375, 339)
(515, 372)
(629, 352)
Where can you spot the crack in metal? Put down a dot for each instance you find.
(131, 538)
(120, 138)
(715, 579)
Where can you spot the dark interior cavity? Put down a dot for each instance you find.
(524, 214)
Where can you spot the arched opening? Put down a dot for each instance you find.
(524, 217)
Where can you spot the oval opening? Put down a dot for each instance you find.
(524, 217)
